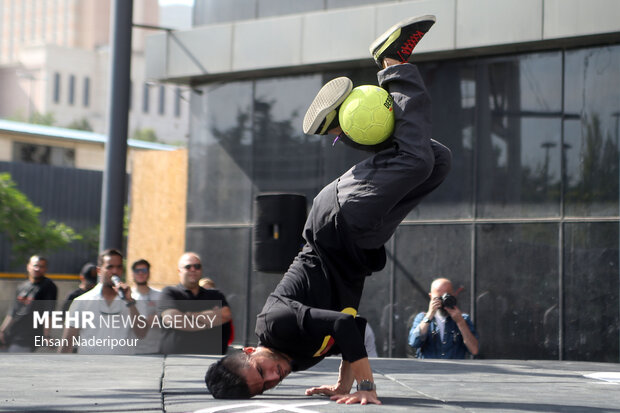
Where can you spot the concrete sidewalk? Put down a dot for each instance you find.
(50, 382)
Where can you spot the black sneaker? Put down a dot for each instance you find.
(399, 40)
(322, 115)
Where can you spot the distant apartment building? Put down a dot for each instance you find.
(54, 60)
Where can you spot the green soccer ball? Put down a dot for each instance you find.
(367, 116)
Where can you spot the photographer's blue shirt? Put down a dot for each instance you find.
(431, 346)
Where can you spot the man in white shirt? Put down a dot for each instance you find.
(100, 320)
(146, 301)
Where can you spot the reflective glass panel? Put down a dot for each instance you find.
(220, 155)
(285, 159)
(591, 286)
(226, 266)
(424, 253)
(517, 290)
(592, 131)
(450, 86)
(518, 132)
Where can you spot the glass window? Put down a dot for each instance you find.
(518, 132)
(284, 158)
(145, 97)
(220, 154)
(517, 290)
(213, 245)
(177, 101)
(452, 89)
(86, 92)
(424, 253)
(56, 87)
(592, 131)
(71, 97)
(591, 292)
(162, 100)
(43, 154)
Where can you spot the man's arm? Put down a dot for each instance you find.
(5, 324)
(361, 371)
(469, 339)
(416, 338)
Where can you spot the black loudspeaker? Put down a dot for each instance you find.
(279, 220)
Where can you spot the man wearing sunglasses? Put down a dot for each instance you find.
(146, 301)
(195, 320)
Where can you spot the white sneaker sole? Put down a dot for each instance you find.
(331, 95)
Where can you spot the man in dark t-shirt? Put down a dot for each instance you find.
(37, 294)
(194, 320)
(313, 311)
(88, 279)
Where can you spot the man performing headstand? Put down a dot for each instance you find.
(312, 312)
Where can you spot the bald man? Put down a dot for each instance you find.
(443, 332)
(195, 320)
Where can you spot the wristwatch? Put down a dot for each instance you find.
(426, 320)
(366, 385)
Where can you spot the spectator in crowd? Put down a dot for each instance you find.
(206, 282)
(443, 332)
(88, 279)
(195, 320)
(38, 293)
(146, 301)
(109, 303)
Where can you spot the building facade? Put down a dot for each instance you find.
(525, 93)
(55, 58)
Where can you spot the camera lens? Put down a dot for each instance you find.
(448, 301)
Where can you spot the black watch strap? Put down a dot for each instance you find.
(366, 385)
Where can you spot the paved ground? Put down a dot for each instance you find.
(49, 382)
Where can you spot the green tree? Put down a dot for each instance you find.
(80, 124)
(19, 221)
(46, 119)
(145, 134)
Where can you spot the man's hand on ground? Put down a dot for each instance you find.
(361, 397)
(327, 390)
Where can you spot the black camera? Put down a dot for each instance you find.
(448, 301)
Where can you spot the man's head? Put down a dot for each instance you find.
(88, 274)
(248, 373)
(109, 263)
(190, 270)
(439, 287)
(36, 267)
(141, 270)
(206, 283)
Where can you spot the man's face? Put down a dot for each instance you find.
(36, 268)
(141, 274)
(190, 271)
(440, 290)
(265, 369)
(112, 265)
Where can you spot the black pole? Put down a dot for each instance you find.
(114, 176)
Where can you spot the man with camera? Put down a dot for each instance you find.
(443, 332)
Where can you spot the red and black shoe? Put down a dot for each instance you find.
(399, 40)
